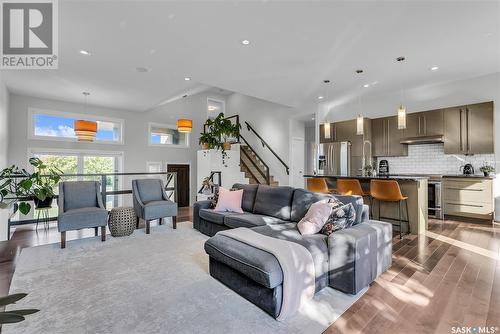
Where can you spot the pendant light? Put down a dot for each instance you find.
(401, 110)
(360, 121)
(184, 125)
(326, 126)
(85, 130)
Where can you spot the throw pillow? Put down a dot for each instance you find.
(229, 200)
(315, 218)
(340, 218)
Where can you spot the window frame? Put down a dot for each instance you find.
(168, 126)
(38, 111)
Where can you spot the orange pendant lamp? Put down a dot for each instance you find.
(184, 125)
(85, 130)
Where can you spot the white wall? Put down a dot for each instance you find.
(474, 90)
(271, 121)
(136, 147)
(4, 144)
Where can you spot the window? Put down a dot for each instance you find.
(60, 126)
(215, 107)
(85, 162)
(153, 167)
(163, 134)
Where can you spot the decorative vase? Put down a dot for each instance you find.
(204, 146)
(227, 146)
(46, 203)
(486, 174)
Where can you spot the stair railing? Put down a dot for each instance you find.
(211, 178)
(265, 174)
(266, 145)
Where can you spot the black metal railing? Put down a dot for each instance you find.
(170, 189)
(211, 178)
(264, 172)
(266, 145)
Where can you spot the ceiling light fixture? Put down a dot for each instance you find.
(401, 110)
(320, 97)
(187, 79)
(434, 68)
(359, 71)
(184, 125)
(85, 52)
(85, 130)
(245, 42)
(142, 69)
(366, 85)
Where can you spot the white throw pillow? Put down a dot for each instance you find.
(315, 218)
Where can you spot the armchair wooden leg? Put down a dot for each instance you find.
(137, 223)
(160, 221)
(96, 229)
(147, 227)
(174, 222)
(103, 233)
(63, 239)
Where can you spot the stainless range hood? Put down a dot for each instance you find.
(423, 140)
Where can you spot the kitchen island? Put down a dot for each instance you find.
(414, 187)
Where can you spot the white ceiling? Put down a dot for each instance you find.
(294, 46)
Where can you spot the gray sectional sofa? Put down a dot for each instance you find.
(347, 260)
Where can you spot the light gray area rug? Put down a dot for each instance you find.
(157, 283)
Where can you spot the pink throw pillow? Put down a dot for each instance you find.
(315, 218)
(229, 200)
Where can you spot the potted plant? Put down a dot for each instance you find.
(225, 130)
(13, 316)
(207, 141)
(487, 169)
(22, 186)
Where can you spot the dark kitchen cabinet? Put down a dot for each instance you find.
(386, 138)
(428, 123)
(469, 129)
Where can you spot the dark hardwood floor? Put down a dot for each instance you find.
(448, 277)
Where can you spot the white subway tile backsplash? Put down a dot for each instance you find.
(431, 159)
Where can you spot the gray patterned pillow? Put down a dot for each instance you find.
(341, 217)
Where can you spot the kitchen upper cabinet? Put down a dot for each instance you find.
(386, 138)
(345, 131)
(480, 128)
(469, 129)
(428, 123)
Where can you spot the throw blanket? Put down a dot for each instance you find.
(296, 263)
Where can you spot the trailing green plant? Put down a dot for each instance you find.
(13, 316)
(209, 139)
(224, 128)
(19, 185)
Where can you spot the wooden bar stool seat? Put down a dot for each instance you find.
(389, 191)
(317, 185)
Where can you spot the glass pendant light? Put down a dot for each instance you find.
(360, 121)
(401, 109)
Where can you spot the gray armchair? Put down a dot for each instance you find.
(80, 206)
(151, 202)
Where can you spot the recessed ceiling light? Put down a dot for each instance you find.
(359, 71)
(187, 78)
(400, 59)
(326, 81)
(434, 68)
(245, 42)
(85, 52)
(312, 119)
(184, 96)
(142, 69)
(366, 85)
(320, 97)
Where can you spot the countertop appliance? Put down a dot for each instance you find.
(383, 168)
(468, 169)
(335, 158)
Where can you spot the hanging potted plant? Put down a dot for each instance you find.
(207, 141)
(18, 185)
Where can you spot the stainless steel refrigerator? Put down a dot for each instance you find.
(334, 158)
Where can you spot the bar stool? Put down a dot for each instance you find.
(352, 187)
(317, 185)
(389, 191)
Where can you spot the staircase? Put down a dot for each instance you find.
(254, 168)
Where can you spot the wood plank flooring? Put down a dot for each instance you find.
(449, 277)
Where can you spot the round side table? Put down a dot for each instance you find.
(122, 221)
